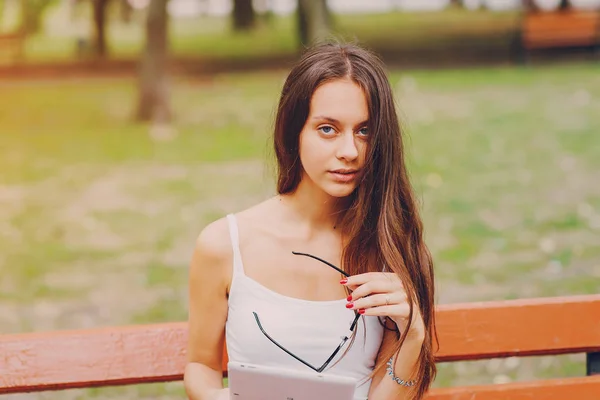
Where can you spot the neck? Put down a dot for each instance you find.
(314, 208)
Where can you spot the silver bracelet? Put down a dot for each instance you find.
(390, 371)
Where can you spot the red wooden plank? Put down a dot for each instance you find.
(525, 327)
(583, 388)
(110, 356)
(559, 39)
(561, 21)
(560, 28)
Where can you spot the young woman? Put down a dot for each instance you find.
(344, 197)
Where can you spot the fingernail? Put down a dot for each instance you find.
(349, 305)
(344, 281)
(349, 298)
(361, 311)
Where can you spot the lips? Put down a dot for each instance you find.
(344, 175)
(345, 171)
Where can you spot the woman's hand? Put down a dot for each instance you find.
(382, 294)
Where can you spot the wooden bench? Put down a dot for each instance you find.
(560, 29)
(472, 331)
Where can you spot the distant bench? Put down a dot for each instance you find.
(560, 29)
(471, 331)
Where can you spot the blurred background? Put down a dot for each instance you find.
(126, 126)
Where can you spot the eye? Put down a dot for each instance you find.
(328, 130)
(364, 131)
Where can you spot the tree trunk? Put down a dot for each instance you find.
(31, 15)
(153, 83)
(244, 16)
(100, 48)
(314, 21)
(302, 21)
(28, 20)
(126, 11)
(265, 11)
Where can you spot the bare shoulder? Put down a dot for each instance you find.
(214, 246)
(214, 241)
(211, 264)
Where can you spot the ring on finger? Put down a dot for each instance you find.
(387, 299)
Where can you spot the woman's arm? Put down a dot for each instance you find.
(209, 278)
(383, 386)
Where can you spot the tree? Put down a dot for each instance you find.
(314, 21)
(126, 11)
(31, 15)
(153, 104)
(100, 8)
(99, 15)
(244, 17)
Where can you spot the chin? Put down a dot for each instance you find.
(339, 191)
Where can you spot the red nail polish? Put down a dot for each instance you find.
(343, 281)
(361, 311)
(349, 305)
(349, 298)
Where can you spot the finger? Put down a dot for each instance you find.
(357, 280)
(372, 287)
(377, 286)
(396, 311)
(380, 300)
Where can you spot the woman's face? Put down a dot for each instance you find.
(333, 141)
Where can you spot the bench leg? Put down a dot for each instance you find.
(517, 50)
(593, 363)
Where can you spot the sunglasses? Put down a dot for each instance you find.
(344, 338)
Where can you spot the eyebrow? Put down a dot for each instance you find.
(335, 121)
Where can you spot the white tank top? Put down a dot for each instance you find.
(311, 330)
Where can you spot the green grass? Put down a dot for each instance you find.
(98, 218)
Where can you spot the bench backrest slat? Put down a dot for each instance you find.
(562, 21)
(156, 353)
(556, 389)
(523, 327)
(562, 28)
(72, 359)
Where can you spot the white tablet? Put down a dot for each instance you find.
(255, 382)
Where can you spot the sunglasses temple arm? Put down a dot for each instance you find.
(355, 321)
(326, 363)
(323, 261)
(280, 346)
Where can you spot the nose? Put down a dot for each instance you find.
(347, 147)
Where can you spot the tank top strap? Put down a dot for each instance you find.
(238, 267)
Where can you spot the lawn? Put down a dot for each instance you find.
(98, 214)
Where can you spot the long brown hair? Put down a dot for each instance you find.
(382, 226)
